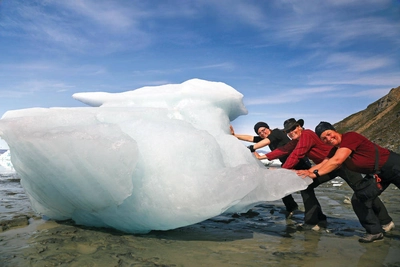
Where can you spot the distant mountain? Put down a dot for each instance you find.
(379, 122)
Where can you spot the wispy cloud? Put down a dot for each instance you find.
(7, 94)
(220, 66)
(225, 66)
(244, 12)
(119, 26)
(370, 93)
(31, 87)
(341, 32)
(390, 79)
(107, 25)
(329, 24)
(29, 70)
(289, 96)
(33, 23)
(26, 66)
(351, 62)
(109, 14)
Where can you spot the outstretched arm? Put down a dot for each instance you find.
(327, 166)
(262, 143)
(307, 173)
(318, 166)
(281, 151)
(258, 156)
(243, 137)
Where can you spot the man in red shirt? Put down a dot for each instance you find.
(359, 154)
(306, 143)
(273, 139)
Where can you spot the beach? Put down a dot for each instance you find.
(260, 237)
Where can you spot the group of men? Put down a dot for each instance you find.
(367, 167)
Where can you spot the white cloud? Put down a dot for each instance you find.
(351, 62)
(289, 96)
(26, 66)
(6, 93)
(77, 25)
(329, 24)
(370, 93)
(33, 86)
(389, 79)
(220, 66)
(109, 14)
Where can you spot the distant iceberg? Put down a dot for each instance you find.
(5, 163)
(155, 158)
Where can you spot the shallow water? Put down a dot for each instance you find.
(14, 201)
(251, 239)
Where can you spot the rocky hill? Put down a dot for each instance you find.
(379, 122)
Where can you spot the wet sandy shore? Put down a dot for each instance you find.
(259, 238)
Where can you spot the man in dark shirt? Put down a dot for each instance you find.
(273, 139)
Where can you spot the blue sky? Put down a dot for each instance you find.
(316, 60)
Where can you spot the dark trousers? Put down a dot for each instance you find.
(288, 201)
(372, 213)
(312, 209)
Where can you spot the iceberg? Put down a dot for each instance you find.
(154, 158)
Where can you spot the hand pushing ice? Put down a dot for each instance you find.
(155, 158)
